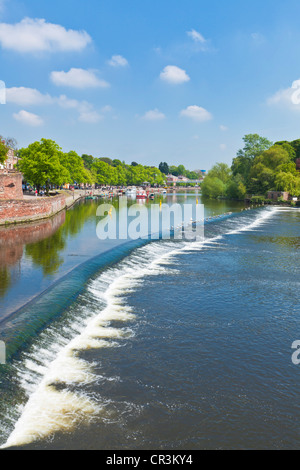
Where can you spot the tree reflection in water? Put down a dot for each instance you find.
(42, 242)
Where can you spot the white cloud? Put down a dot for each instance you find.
(196, 36)
(223, 128)
(173, 74)
(36, 35)
(27, 96)
(64, 102)
(29, 119)
(196, 113)
(91, 117)
(287, 98)
(31, 97)
(154, 115)
(107, 109)
(223, 147)
(118, 61)
(78, 78)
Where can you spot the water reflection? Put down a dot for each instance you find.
(14, 239)
(27, 250)
(285, 242)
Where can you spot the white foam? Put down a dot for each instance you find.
(48, 411)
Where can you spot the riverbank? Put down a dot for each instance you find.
(31, 208)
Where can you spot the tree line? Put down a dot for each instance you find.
(179, 171)
(44, 164)
(259, 167)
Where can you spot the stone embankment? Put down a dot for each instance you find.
(31, 208)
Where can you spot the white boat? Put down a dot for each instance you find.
(131, 191)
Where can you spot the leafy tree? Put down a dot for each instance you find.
(254, 145)
(174, 170)
(192, 175)
(106, 160)
(134, 164)
(3, 151)
(181, 170)
(40, 164)
(88, 161)
(274, 157)
(261, 179)
(213, 187)
(105, 173)
(286, 181)
(122, 175)
(117, 162)
(289, 148)
(296, 146)
(164, 168)
(75, 166)
(235, 188)
(220, 171)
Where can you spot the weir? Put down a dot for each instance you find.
(110, 276)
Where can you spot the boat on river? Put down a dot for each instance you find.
(141, 194)
(131, 191)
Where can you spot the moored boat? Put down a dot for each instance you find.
(141, 194)
(131, 191)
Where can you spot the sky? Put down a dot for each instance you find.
(178, 81)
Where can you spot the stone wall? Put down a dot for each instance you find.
(14, 211)
(10, 185)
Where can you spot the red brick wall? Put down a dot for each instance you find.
(27, 210)
(11, 186)
(298, 163)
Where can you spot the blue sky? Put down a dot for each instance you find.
(180, 81)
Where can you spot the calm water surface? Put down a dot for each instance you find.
(166, 345)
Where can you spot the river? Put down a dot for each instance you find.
(171, 344)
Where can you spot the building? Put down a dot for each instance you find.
(11, 161)
(10, 179)
(182, 179)
(298, 164)
(172, 180)
(275, 195)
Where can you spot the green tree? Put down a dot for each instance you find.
(296, 146)
(289, 148)
(3, 151)
(105, 174)
(286, 181)
(88, 161)
(75, 166)
(122, 175)
(254, 145)
(213, 187)
(174, 170)
(117, 162)
(164, 168)
(235, 188)
(181, 170)
(106, 160)
(40, 164)
(220, 171)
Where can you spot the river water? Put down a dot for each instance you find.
(170, 344)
